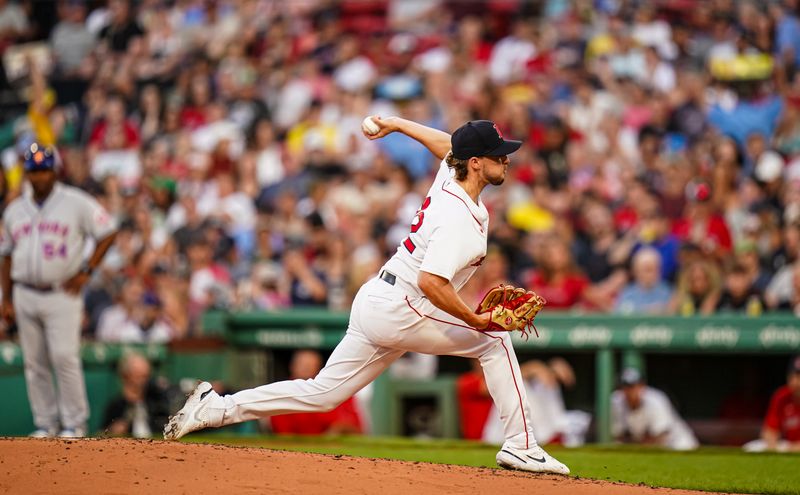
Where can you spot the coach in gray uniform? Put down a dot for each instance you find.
(43, 271)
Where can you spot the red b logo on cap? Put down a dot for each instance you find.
(500, 134)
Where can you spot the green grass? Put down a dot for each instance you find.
(711, 469)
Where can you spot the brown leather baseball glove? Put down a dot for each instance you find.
(512, 309)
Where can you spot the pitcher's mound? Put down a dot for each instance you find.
(146, 466)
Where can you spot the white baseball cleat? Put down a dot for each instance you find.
(535, 460)
(193, 416)
(43, 433)
(76, 432)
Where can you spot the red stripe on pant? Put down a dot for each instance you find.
(508, 358)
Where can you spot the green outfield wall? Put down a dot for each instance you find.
(234, 346)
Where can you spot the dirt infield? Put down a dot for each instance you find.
(140, 466)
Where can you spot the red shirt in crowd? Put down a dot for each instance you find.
(344, 419)
(98, 136)
(474, 403)
(716, 231)
(783, 414)
(565, 294)
(625, 218)
(193, 117)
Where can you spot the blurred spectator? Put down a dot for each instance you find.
(493, 272)
(113, 145)
(595, 249)
(781, 430)
(784, 290)
(644, 415)
(267, 154)
(511, 54)
(557, 279)
(698, 291)
(739, 295)
(748, 259)
(142, 409)
(262, 290)
(787, 135)
(236, 212)
(14, 24)
(787, 33)
(344, 419)
(647, 294)
(137, 317)
(312, 135)
(122, 27)
(783, 416)
(307, 285)
(701, 224)
(552, 422)
(70, 40)
(788, 251)
(187, 222)
(210, 282)
(746, 116)
(148, 119)
(651, 231)
(474, 402)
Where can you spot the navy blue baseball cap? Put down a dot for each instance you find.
(39, 158)
(481, 138)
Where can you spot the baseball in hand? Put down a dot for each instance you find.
(370, 127)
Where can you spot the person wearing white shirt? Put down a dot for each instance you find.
(134, 319)
(511, 54)
(412, 305)
(644, 415)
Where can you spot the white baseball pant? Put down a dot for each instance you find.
(50, 335)
(384, 324)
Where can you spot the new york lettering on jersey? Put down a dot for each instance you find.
(47, 240)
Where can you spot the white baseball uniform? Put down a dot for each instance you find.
(654, 417)
(391, 315)
(46, 243)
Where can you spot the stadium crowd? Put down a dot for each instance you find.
(660, 172)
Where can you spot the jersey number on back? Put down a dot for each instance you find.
(416, 223)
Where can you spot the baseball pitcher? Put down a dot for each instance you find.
(413, 305)
(43, 271)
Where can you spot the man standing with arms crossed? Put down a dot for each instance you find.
(413, 305)
(43, 272)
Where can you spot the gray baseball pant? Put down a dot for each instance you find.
(50, 335)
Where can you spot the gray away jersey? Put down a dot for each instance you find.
(46, 243)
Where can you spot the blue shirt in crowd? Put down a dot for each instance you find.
(746, 118)
(668, 248)
(787, 36)
(637, 299)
